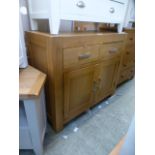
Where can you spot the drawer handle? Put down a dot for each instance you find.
(112, 10)
(113, 50)
(131, 38)
(84, 56)
(80, 4)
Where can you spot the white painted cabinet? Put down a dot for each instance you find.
(32, 123)
(104, 11)
(32, 111)
(130, 14)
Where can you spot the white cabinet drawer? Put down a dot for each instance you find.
(114, 11)
(82, 7)
(100, 10)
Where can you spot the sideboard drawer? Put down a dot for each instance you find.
(110, 50)
(80, 55)
(128, 57)
(127, 74)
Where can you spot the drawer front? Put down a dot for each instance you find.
(114, 11)
(129, 57)
(74, 7)
(80, 55)
(126, 74)
(78, 8)
(95, 10)
(110, 50)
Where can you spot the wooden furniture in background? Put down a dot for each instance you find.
(93, 27)
(82, 69)
(32, 113)
(128, 63)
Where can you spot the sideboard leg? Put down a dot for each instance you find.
(58, 127)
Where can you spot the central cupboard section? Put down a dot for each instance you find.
(82, 70)
(87, 86)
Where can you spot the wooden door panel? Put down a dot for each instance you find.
(78, 90)
(107, 78)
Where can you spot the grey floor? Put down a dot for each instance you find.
(96, 131)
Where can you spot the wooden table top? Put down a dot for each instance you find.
(31, 81)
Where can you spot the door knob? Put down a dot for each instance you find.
(80, 4)
(112, 10)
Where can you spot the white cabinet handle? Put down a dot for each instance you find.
(112, 10)
(80, 4)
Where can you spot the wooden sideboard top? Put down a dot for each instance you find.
(31, 82)
(74, 34)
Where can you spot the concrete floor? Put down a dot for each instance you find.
(98, 130)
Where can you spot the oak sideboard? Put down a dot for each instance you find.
(82, 69)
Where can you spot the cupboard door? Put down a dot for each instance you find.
(107, 79)
(79, 86)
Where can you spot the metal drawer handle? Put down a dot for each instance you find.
(113, 50)
(80, 4)
(84, 56)
(112, 10)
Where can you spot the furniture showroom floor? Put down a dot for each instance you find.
(97, 131)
